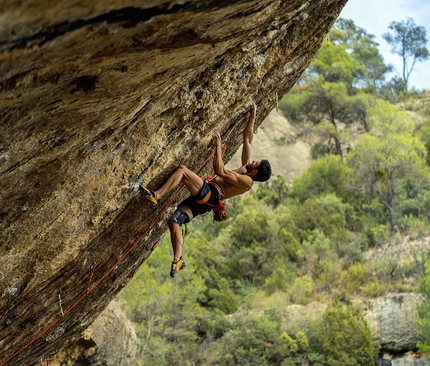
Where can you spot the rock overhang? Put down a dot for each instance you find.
(97, 98)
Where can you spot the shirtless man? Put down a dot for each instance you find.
(206, 194)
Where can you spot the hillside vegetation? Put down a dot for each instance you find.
(368, 185)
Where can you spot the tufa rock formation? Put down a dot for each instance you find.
(99, 96)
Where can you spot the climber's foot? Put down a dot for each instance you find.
(149, 195)
(177, 266)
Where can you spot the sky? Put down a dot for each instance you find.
(376, 15)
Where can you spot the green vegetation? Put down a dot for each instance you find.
(423, 320)
(250, 293)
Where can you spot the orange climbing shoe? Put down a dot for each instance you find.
(149, 195)
(177, 266)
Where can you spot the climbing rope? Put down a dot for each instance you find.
(90, 288)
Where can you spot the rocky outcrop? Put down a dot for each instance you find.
(99, 96)
(392, 321)
(110, 341)
(406, 359)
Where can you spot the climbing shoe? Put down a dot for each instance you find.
(149, 195)
(177, 266)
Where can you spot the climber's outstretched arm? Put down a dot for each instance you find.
(248, 135)
(229, 176)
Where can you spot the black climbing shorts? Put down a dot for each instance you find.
(200, 209)
(179, 217)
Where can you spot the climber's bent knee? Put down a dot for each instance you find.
(179, 217)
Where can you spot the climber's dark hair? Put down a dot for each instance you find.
(264, 172)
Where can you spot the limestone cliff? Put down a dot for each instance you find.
(97, 96)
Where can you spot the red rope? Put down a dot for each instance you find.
(90, 288)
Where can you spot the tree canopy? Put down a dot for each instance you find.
(337, 89)
(409, 42)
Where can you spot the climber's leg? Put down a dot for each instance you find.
(181, 216)
(182, 174)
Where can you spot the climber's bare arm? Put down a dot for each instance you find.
(229, 176)
(248, 135)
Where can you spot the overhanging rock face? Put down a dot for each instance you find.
(97, 96)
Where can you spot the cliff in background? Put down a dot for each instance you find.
(99, 96)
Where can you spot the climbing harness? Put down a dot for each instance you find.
(219, 209)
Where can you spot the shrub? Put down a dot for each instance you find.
(301, 290)
(414, 227)
(278, 280)
(249, 342)
(334, 208)
(316, 252)
(214, 325)
(329, 274)
(282, 348)
(302, 341)
(223, 298)
(354, 277)
(350, 247)
(291, 246)
(380, 234)
(347, 338)
(374, 289)
(326, 175)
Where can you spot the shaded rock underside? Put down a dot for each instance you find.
(99, 96)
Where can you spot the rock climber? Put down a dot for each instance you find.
(207, 194)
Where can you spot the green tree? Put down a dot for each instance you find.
(290, 245)
(363, 48)
(320, 103)
(273, 192)
(326, 175)
(246, 343)
(334, 93)
(383, 165)
(223, 297)
(347, 338)
(317, 252)
(325, 96)
(409, 42)
(256, 340)
(245, 244)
